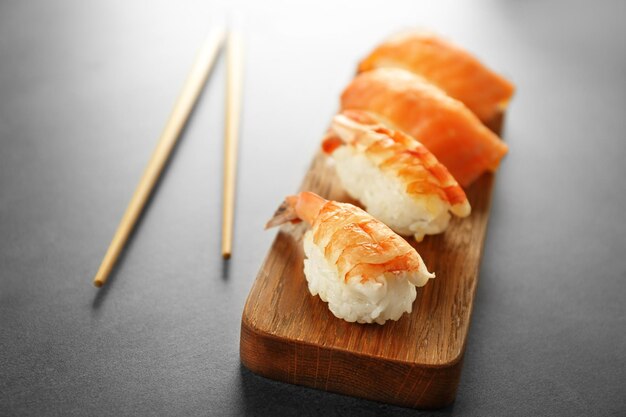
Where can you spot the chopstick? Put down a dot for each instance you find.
(234, 82)
(194, 83)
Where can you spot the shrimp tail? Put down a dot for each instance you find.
(304, 206)
(331, 142)
(350, 124)
(285, 213)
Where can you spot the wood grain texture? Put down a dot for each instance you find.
(291, 336)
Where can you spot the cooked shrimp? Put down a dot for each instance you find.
(395, 177)
(365, 271)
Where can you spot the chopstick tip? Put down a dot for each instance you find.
(226, 255)
(98, 283)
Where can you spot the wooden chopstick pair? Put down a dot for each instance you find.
(194, 84)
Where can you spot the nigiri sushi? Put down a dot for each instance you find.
(448, 66)
(360, 267)
(395, 177)
(444, 125)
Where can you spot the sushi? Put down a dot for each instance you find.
(446, 65)
(443, 124)
(360, 267)
(395, 177)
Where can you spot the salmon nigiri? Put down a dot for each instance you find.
(360, 267)
(395, 177)
(444, 125)
(446, 65)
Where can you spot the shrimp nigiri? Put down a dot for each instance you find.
(444, 125)
(360, 267)
(446, 65)
(395, 177)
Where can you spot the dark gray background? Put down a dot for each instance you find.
(85, 90)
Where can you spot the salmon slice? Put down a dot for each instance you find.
(443, 124)
(446, 65)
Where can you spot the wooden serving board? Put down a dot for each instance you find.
(289, 335)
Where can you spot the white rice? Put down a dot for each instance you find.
(386, 298)
(385, 197)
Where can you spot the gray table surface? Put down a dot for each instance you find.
(85, 89)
